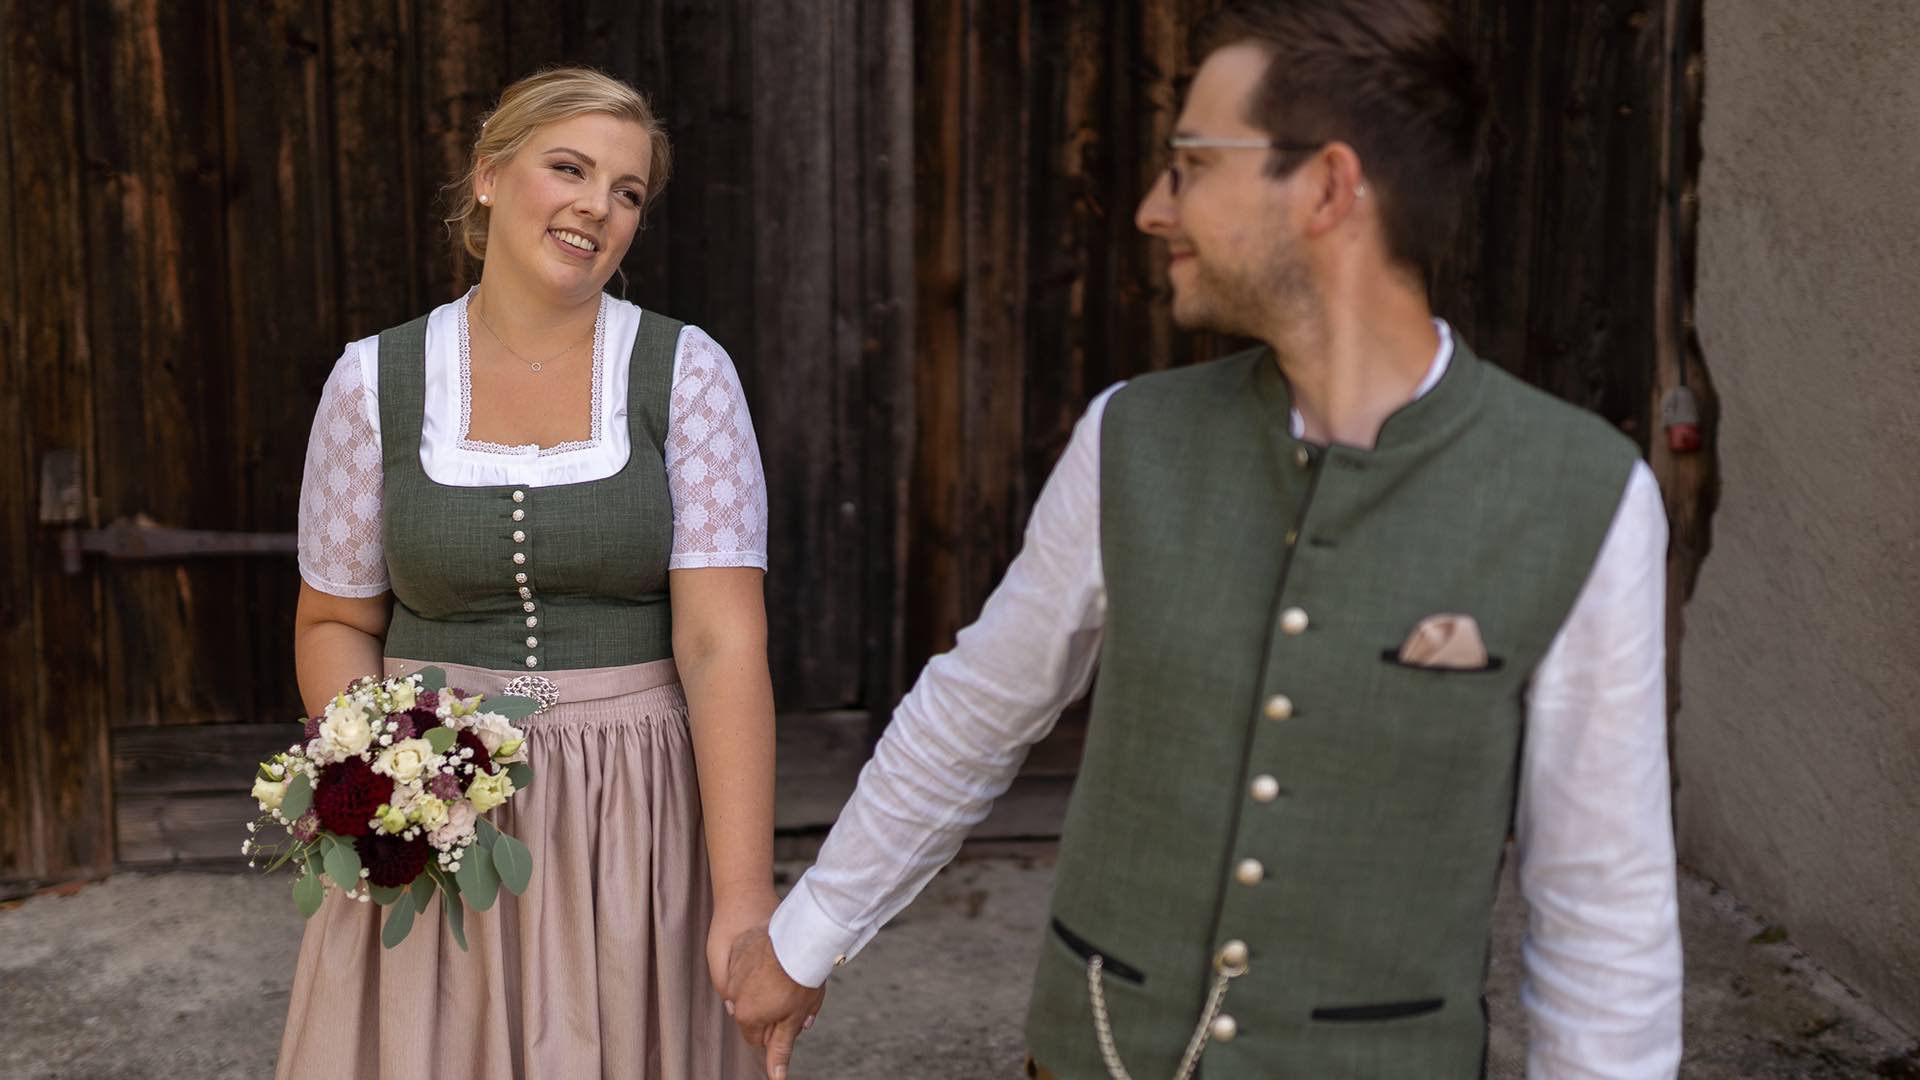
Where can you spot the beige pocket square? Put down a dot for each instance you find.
(1445, 641)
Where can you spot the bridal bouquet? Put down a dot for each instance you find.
(384, 797)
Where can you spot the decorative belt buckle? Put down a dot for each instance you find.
(538, 687)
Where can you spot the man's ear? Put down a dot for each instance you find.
(1339, 187)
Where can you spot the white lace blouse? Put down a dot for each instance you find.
(714, 478)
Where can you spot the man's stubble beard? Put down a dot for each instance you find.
(1280, 293)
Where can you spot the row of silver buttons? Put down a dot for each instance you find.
(520, 580)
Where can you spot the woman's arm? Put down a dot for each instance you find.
(336, 639)
(720, 648)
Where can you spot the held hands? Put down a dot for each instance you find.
(769, 1006)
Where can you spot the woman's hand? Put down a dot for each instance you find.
(735, 914)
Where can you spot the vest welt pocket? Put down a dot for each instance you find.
(1493, 664)
(1119, 969)
(1395, 1010)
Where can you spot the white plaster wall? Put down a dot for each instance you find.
(1799, 733)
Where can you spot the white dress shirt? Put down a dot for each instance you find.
(1594, 838)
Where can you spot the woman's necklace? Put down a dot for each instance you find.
(532, 365)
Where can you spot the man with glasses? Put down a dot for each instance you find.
(1361, 604)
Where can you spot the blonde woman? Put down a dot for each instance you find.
(539, 481)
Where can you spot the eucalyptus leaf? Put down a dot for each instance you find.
(299, 796)
(456, 920)
(385, 894)
(422, 891)
(521, 774)
(485, 834)
(479, 881)
(514, 862)
(513, 707)
(343, 865)
(307, 894)
(399, 921)
(432, 678)
(441, 739)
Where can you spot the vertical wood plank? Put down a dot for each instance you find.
(60, 786)
(1553, 274)
(885, 90)
(163, 378)
(384, 226)
(22, 850)
(994, 495)
(280, 280)
(815, 552)
(935, 594)
(694, 254)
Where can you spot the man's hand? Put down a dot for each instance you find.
(769, 1006)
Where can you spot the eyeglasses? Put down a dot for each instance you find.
(1200, 142)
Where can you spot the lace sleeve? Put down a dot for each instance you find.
(340, 510)
(714, 479)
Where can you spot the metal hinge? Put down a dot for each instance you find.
(63, 502)
(139, 539)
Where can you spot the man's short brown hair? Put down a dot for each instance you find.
(1386, 77)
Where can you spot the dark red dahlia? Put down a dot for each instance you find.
(423, 720)
(347, 795)
(392, 861)
(481, 759)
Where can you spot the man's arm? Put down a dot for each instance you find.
(1596, 861)
(955, 744)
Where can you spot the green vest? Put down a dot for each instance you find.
(1251, 706)
(591, 557)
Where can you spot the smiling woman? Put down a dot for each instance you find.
(540, 485)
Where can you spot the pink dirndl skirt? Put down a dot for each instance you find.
(599, 970)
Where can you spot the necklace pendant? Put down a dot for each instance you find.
(536, 367)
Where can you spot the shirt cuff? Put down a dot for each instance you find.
(806, 941)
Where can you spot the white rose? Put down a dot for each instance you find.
(494, 731)
(346, 728)
(404, 695)
(489, 790)
(459, 826)
(428, 812)
(270, 793)
(404, 760)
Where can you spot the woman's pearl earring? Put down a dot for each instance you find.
(486, 200)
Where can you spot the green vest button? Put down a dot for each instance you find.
(1249, 872)
(1265, 789)
(1279, 707)
(1293, 622)
(1223, 1028)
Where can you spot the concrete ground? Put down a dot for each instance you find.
(185, 975)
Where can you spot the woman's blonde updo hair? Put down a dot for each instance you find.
(540, 99)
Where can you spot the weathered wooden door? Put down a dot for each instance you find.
(206, 200)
